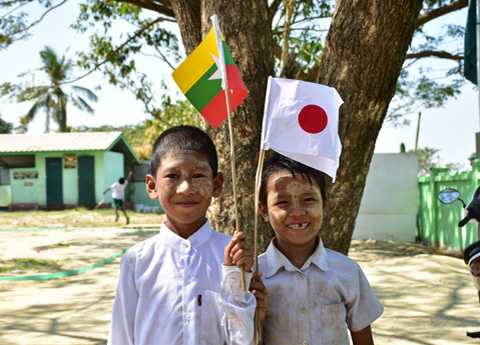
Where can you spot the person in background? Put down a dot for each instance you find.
(118, 196)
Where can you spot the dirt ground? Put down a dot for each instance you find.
(428, 298)
(72, 218)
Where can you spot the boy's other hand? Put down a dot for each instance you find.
(260, 292)
(235, 253)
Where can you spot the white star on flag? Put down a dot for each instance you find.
(218, 72)
(300, 121)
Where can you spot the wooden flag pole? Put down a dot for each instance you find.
(257, 334)
(234, 180)
(258, 182)
(230, 132)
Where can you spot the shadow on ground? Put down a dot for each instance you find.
(429, 299)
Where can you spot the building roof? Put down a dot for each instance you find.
(77, 141)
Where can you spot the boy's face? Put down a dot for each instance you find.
(184, 186)
(294, 209)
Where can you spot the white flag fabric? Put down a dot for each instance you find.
(300, 121)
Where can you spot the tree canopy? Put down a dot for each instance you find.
(299, 29)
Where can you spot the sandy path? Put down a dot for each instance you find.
(428, 298)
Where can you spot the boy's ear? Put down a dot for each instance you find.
(217, 185)
(263, 212)
(150, 186)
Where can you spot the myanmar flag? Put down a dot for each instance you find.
(199, 78)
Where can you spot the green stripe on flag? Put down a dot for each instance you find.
(202, 92)
(228, 54)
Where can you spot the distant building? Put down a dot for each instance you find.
(58, 170)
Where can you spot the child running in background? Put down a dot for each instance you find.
(314, 294)
(169, 290)
(118, 196)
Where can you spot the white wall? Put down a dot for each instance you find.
(390, 200)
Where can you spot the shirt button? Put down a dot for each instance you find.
(305, 343)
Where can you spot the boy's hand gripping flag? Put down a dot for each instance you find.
(300, 121)
(199, 77)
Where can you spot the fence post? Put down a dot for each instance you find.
(475, 180)
(434, 172)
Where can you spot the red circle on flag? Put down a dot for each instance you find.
(313, 118)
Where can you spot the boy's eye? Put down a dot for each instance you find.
(310, 199)
(199, 175)
(281, 203)
(171, 176)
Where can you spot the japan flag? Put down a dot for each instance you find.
(300, 121)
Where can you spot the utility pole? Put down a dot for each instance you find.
(418, 130)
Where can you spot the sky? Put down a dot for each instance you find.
(451, 129)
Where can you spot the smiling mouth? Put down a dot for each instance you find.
(297, 226)
(186, 204)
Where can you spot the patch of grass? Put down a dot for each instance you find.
(29, 264)
(74, 218)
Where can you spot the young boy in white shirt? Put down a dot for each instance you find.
(169, 289)
(314, 294)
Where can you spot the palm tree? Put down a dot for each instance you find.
(54, 97)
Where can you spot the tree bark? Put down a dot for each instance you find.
(363, 56)
(364, 53)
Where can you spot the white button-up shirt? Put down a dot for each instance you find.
(314, 305)
(170, 292)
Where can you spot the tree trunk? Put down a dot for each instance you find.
(247, 30)
(364, 53)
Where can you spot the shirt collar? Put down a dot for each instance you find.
(276, 260)
(195, 240)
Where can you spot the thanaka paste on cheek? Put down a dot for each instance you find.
(294, 189)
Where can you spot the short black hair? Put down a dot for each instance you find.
(180, 139)
(121, 180)
(278, 162)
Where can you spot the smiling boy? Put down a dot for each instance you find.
(169, 289)
(314, 294)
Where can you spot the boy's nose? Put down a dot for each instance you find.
(184, 186)
(297, 210)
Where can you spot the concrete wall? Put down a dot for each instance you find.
(389, 204)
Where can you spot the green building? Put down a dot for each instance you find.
(58, 170)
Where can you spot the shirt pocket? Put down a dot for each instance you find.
(330, 324)
(210, 324)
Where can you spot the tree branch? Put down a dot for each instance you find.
(15, 9)
(162, 7)
(438, 12)
(434, 53)
(130, 38)
(273, 8)
(289, 7)
(40, 19)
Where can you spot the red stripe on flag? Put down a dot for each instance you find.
(215, 112)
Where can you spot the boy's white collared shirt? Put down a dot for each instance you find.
(314, 305)
(170, 292)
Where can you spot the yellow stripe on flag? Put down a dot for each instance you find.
(197, 63)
